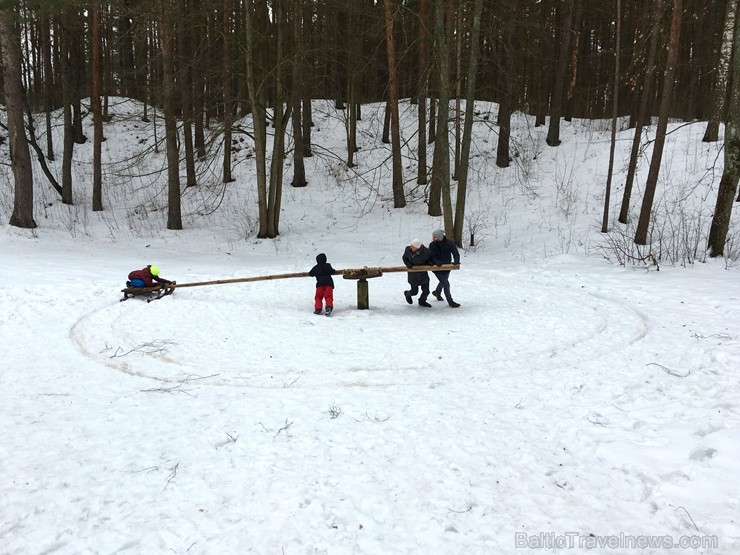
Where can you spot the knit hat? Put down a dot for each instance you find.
(321, 258)
(416, 243)
(438, 234)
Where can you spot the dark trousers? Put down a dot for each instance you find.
(424, 290)
(444, 283)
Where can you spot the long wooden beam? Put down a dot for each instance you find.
(369, 270)
(391, 269)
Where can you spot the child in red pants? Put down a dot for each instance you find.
(324, 285)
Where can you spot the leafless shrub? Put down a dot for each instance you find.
(619, 247)
(6, 195)
(242, 220)
(732, 247)
(525, 151)
(677, 236)
(566, 197)
(476, 223)
(572, 242)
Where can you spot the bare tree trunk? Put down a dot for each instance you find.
(259, 122)
(462, 184)
(505, 106)
(299, 168)
(352, 93)
(144, 51)
(277, 163)
(306, 118)
(338, 60)
(721, 81)
(573, 64)
(228, 104)
(615, 116)
(399, 198)
(166, 37)
(645, 96)
(31, 78)
(441, 159)
(106, 66)
(351, 125)
(558, 88)
(67, 99)
(97, 110)
(457, 37)
(199, 112)
(727, 187)
(432, 119)
(386, 136)
(280, 121)
(731, 173)
(77, 67)
(307, 113)
(665, 106)
(185, 61)
(421, 171)
(546, 46)
(22, 215)
(48, 85)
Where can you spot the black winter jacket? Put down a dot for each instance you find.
(444, 251)
(422, 257)
(322, 271)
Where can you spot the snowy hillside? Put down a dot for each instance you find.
(571, 404)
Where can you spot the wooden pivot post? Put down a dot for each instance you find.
(363, 291)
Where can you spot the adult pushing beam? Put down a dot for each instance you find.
(363, 274)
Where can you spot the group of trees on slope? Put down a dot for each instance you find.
(208, 63)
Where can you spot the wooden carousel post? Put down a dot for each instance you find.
(363, 290)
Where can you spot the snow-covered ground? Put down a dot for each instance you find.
(568, 404)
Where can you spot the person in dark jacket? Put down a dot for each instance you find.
(146, 277)
(416, 254)
(444, 251)
(324, 284)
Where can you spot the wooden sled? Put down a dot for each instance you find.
(150, 293)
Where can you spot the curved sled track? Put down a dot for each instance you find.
(214, 341)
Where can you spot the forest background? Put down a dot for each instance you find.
(223, 139)
(206, 65)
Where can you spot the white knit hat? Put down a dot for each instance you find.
(416, 243)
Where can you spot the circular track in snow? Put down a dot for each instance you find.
(244, 340)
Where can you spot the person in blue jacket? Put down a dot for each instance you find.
(444, 251)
